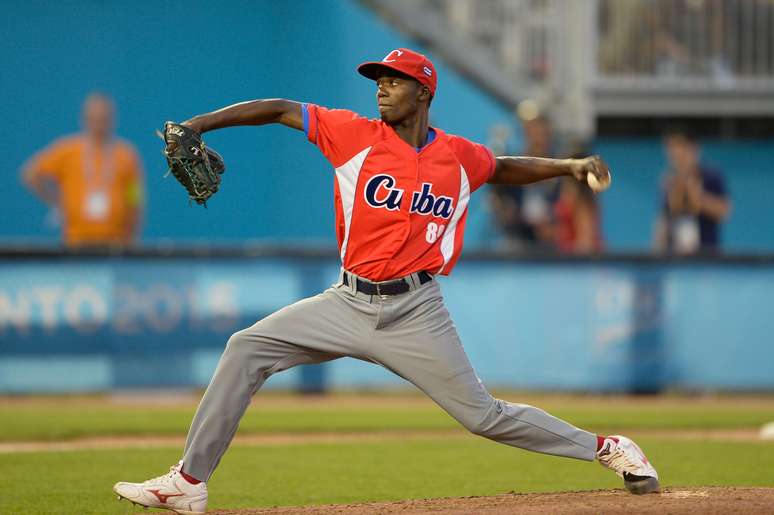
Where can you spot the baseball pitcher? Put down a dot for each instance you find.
(401, 193)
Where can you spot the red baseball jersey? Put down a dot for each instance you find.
(399, 209)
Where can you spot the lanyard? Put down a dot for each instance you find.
(96, 205)
(108, 168)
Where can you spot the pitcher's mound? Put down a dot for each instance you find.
(672, 501)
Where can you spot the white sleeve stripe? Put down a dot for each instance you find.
(347, 175)
(447, 243)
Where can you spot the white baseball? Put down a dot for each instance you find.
(767, 431)
(594, 183)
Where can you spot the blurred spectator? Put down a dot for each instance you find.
(578, 224)
(93, 180)
(524, 214)
(678, 38)
(695, 200)
(624, 26)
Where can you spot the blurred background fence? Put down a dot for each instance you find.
(596, 58)
(55, 56)
(609, 73)
(90, 322)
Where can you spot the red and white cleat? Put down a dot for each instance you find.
(622, 455)
(171, 492)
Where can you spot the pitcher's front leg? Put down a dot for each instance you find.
(248, 360)
(312, 330)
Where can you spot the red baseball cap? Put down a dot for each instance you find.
(413, 64)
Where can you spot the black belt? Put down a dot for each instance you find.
(387, 287)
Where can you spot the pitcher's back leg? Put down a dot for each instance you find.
(423, 347)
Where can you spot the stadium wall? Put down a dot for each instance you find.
(631, 206)
(70, 323)
(169, 64)
(164, 64)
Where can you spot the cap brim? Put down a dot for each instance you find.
(372, 69)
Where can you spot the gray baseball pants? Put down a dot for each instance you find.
(410, 334)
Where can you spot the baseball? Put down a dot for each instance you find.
(767, 431)
(594, 183)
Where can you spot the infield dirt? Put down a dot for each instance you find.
(672, 501)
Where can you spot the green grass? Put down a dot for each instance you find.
(67, 420)
(84, 421)
(392, 469)
(80, 482)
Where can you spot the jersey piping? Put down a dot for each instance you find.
(448, 241)
(347, 176)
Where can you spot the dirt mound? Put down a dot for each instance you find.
(672, 501)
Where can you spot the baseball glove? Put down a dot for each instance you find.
(195, 166)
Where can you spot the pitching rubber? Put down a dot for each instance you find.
(641, 485)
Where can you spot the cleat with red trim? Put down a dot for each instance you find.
(170, 491)
(623, 456)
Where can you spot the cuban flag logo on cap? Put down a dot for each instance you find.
(427, 71)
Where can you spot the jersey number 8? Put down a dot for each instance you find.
(433, 232)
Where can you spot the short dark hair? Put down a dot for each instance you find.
(682, 132)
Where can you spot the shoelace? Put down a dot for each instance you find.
(619, 461)
(166, 478)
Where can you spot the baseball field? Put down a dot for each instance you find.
(383, 453)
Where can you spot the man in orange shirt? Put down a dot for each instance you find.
(93, 179)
